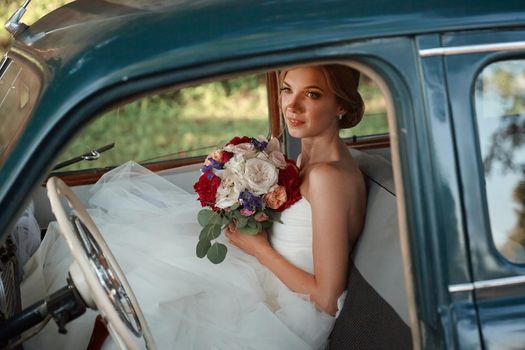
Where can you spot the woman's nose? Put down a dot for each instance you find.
(293, 103)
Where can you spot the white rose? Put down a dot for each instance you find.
(229, 189)
(246, 149)
(237, 164)
(260, 175)
(273, 145)
(277, 158)
(263, 156)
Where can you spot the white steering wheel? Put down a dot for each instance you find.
(95, 272)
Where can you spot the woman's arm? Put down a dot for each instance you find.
(328, 193)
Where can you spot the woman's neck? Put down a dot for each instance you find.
(320, 149)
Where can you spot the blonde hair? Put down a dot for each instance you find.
(343, 82)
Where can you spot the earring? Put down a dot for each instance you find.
(340, 116)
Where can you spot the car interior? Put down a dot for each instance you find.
(375, 314)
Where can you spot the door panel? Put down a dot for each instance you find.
(486, 85)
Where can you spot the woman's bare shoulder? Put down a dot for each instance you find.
(342, 179)
(340, 171)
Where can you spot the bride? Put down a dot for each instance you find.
(277, 290)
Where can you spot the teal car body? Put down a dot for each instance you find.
(93, 54)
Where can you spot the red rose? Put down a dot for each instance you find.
(206, 188)
(226, 156)
(237, 139)
(289, 178)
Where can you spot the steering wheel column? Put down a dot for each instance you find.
(63, 306)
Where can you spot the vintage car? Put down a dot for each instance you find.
(440, 262)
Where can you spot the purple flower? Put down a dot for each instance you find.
(259, 145)
(212, 164)
(250, 201)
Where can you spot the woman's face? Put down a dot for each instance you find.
(309, 107)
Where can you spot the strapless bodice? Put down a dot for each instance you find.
(293, 238)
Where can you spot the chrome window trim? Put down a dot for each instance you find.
(461, 287)
(487, 284)
(459, 50)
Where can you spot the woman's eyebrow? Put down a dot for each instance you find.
(306, 87)
(313, 87)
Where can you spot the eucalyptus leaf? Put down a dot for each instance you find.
(275, 216)
(217, 252)
(202, 248)
(216, 219)
(210, 231)
(247, 230)
(242, 222)
(204, 216)
(226, 220)
(266, 225)
(235, 206)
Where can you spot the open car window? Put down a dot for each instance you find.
(175, 124)
(374, 122)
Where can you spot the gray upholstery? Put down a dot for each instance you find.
(375, 312)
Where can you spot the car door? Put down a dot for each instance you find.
(485, 74)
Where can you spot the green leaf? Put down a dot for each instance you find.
(210, 232)
(241, 222)
(202, 248)
(217, 253)
(226, 220)
(266, 225)
(247, 230)
(216, 219)
(204, 216)
(275, 216)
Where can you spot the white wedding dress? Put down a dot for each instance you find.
(189, 303)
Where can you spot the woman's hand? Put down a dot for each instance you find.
(253, 245)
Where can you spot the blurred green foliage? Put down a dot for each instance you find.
(176, 124)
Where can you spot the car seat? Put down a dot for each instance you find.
(375, 312)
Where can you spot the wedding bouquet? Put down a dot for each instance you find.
(248, 182)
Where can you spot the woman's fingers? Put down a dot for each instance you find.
(229, 233)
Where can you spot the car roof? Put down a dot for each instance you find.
(128, 32)
(103, 42)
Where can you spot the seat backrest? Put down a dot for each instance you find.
(375, 312)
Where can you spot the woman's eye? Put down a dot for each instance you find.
(313, 95)
(285, 90)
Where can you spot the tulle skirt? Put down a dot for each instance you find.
(189, 303)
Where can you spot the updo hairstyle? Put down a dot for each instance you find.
(343, 81)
